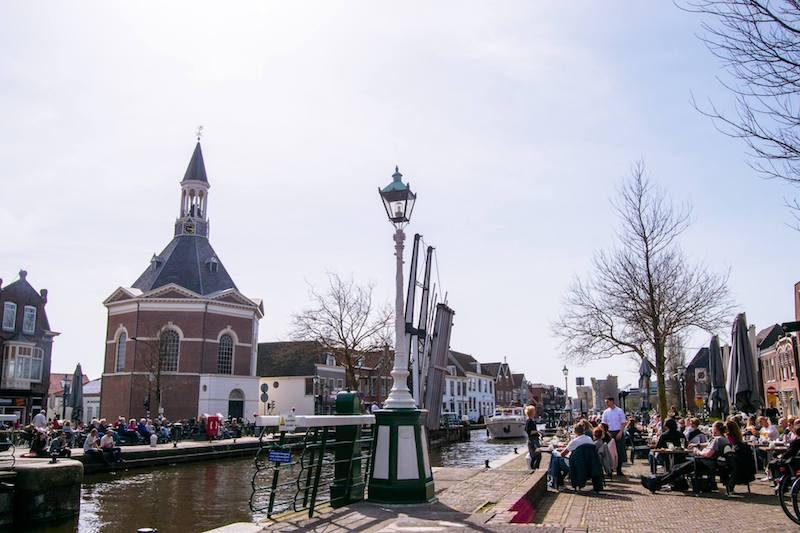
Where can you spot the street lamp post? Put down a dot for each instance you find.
(566, 383)
(401, 471)
(682, 404)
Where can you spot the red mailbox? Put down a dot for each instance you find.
(212, 425)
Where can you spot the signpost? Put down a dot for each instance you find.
(287, 422)
(280, 456)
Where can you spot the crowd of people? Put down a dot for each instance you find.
(687, 449)
(55, 438)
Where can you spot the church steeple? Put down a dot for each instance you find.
(193, 218)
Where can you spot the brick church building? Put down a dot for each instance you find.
(182, 329)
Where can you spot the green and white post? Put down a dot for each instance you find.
(401, 469)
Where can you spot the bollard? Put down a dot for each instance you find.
(348, 485)
(515, 450)
(486, 463)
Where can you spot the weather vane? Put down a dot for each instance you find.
(199, 132)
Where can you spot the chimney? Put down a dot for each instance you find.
(43, 294)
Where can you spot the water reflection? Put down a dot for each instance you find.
(179, 498)
(206, 495)
(479, 448)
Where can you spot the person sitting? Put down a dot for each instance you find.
(768, 431)
(69, 433)
(59, 447)
(673, 436)
(558, 462)
(143, 431)
(700, 461)
(38, 443)
(602, 451)
(111, 452)
(694, 435)
(611, 443)
(91, 446)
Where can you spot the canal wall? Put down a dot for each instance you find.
(165, 454)
(41, 491)
(443, 436)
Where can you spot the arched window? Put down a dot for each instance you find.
(169, 345)
(122, 341)
(225, 355)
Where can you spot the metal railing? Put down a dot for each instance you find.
(329, 462)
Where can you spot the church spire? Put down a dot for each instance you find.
(192, 217)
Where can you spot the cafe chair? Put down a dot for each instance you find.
(737, 467)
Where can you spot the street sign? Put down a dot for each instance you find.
(264, 387)
(280, 456)
(287, 422)
(264, 397)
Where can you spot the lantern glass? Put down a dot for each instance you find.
(398, 200)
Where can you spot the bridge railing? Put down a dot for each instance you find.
(327, 459)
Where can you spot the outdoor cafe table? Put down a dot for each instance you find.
(669, 455)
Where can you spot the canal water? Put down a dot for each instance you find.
(205, 495)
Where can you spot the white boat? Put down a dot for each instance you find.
(507, 423)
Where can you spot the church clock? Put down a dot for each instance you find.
(188, 228)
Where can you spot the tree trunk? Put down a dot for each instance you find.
(662, 382)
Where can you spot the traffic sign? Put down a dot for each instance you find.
(264, 397)
(287, 422)
(264, 387)
(280, 456)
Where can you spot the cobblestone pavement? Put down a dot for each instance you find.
(627, 506)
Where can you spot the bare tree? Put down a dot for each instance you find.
(644, 291)
(345, 321)
(675, 359)
(758, 41)
(153, 361)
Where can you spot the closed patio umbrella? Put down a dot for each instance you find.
(644, 383)
(742, 385)
(718, 398)
(76, 394)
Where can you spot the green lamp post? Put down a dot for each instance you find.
(401, 469)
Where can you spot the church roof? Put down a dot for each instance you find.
(196, 169)
(184, 262)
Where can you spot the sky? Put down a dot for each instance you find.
(515, 122)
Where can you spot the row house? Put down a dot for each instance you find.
(504, 383)
(520, 393)
(480, 382)
(778, 364)
(299, 375)
(26, 343)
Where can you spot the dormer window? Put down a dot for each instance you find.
(29, 320)
(451, 370)
(212, 264)
(330, 360)
(9, 316)
(155, 262)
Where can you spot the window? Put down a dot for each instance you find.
(225, 355)
(121, 347)
(452, 387)
(330, 360)
(9, 316)
(309, 386)
(22, 362)
(170, 344)
(29, 320)
(340, 384)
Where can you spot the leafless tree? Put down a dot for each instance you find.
(643, 291)
(758, 41)
(154, 351)
(345, 321)
(675, 359)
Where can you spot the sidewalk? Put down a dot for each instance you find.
(468, 499)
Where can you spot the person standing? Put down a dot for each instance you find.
(40, 420)
(534, 439)
(614, 417)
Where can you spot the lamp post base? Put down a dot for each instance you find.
(401, 469)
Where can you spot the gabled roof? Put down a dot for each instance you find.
(290, 358)
(467, 363)
(197, 169)
(491, 369)
(518, 379)
(183, 262)
(56, 379)
(21, 290)
(700, 360)
(768, 336)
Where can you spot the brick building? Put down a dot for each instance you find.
(183, 327)
(26, 343)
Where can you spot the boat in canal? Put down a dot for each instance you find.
(507, 423)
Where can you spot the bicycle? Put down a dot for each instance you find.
(787, 489)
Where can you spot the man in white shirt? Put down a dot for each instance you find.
(110, 451)
(40, 420)
(615, 419)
